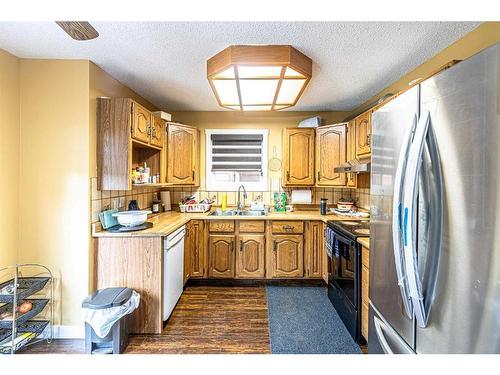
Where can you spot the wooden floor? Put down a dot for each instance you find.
(206, 320)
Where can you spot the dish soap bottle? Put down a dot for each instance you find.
(224, 201)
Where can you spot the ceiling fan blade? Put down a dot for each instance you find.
(78, 30)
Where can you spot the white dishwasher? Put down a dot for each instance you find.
(173, 270)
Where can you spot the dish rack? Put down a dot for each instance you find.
(20, 329)
(197, 207)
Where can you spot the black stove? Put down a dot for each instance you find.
(352, 229)
(344, 271)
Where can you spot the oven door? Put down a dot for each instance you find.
(343, 268)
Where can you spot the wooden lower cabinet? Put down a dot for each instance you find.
(187, 253)
(314, 249)
(250, 257)
(197, 244)
(221, 256)
(134, 262)
(287, 256)
(365, 286)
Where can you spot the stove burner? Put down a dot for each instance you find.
(362, 231)
(349, 223)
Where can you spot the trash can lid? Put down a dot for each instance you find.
(106, 298)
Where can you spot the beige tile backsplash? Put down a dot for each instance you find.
(103, 200)
(119, 199)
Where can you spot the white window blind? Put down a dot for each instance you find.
(236, 157)
(237, 152)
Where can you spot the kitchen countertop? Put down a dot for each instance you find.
(365, 241)
(167, 222)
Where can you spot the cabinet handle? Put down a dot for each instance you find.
(192, 174)
(368, 136)
(274, 246)
(287, 227)
(232, 246)
(319, 175)
(288, 175)
(241, 245)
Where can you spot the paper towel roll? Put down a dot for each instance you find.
(165, 199)
(301, 197)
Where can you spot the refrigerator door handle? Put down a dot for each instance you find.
(397, 222)
(388, 338)
(410, 193)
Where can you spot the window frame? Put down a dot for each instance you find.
(212, 185)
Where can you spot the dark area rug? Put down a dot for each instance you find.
(302, 320)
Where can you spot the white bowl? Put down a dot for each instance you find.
(132, 218)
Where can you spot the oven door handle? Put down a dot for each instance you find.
(397, 219)
(342, 238)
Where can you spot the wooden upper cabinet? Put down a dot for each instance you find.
(298, 157)
(141, 123)
(287, 256)
(221, 256)
(157, 131)
(183, 155)
(250, 256)
(330, 153)
(363, 135)
(198, 258)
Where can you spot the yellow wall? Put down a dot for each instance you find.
(274, 121)
(9, 157)
(485, 35)
(54, 170)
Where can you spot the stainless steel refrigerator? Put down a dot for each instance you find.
(435, 224)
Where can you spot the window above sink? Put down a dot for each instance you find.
(235, 157)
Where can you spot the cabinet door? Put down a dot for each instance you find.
(141, 123)
(187, 252)
(250, 256)
(363, 135)
(365, 286)
(298, 157)
(351, 151)
(287, 256)
(330, 153)
(198, 253)
(182, 149)
(221, 255)
(157, 131)
(314, 249)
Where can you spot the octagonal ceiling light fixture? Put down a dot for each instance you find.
(258, 77)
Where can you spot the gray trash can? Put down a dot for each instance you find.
(116, 340)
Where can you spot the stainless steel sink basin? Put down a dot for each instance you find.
(237, 213)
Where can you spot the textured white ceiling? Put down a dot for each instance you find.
(165, 61)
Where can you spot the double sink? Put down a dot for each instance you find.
(237, 213)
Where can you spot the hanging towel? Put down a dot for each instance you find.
(332, 245)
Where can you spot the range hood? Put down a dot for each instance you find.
(363, 166)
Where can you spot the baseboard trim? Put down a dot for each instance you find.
(255, 282)
(69, 332)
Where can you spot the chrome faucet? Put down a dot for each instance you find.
(241, 206)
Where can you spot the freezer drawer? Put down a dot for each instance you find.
(383, 338)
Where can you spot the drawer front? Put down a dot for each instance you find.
(251, 226)
(221, 226)
(364, 284)
(365, 257)
(288, 227)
